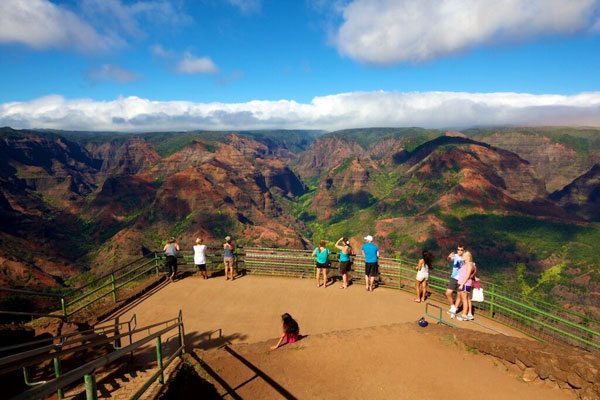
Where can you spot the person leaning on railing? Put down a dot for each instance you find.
(228, 248)
(344, 258)
(171, 249)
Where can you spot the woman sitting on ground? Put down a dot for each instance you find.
(291, 331)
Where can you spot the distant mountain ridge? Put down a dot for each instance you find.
(79, 202)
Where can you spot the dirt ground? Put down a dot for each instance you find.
(400, 361)
(358, 344)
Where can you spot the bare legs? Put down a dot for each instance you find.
(228, 268)
(369, 281)
(324, 272)
(421, 289)
(344, 281)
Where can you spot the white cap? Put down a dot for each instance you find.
(369, 238)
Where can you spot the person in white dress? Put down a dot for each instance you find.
(200, 257)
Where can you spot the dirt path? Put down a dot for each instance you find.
(359, 344)
(398, 361)
(249, 309)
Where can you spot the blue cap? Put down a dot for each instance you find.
(423, 323)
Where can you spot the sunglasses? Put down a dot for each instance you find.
(460, 249)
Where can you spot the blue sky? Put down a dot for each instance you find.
(331, 64)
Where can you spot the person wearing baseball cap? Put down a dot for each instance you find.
(370, 252)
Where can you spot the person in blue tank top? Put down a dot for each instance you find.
(228, 248)
(370, 252)
(321, 255)
(345, 252)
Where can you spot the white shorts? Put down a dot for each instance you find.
(421, 276)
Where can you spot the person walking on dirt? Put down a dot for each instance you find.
(370, 252)
(171, 249)
(228, 248)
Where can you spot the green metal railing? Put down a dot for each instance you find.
(24, 293)
(535, 318)
(87, 371)
(58, 348)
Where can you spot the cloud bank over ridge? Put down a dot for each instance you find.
(338, 111)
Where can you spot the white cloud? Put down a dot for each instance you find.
(392, 31)
(91, 25)
(246, 6)
(110, 72)
(41, 24)
(196, 65)
(339, 111)
(159, 51)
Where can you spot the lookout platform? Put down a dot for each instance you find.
(358, 344)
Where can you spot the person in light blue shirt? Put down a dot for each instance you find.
(321, 255)
(370, 252)
(457, 262)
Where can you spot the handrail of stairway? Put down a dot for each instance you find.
(31, 293)
(109, 273)
(115, 286)
(33, 357)
(87, 370)
(67, 339)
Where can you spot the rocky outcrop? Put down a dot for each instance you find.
(556, 163)
(582, 196)
(563, 366)
(128, 158)
(327, 153)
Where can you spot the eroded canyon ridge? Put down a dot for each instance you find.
(525, 200)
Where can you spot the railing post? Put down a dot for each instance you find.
(117, 343)
(492, 299)
(159, 360)
(57, 373)
(114, 287)
(63, 306)
(156, 263)
(181, 333)
(90, 387)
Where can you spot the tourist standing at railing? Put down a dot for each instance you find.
(370, 252)
(200, 257)
(228, 248)
(421, 285)
(321, 255)
(457, 262)
(171, 249)
(344, 258)
(465, 283)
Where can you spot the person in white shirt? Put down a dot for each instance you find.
(200, 257)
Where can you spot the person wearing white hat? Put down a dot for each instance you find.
(370, 252)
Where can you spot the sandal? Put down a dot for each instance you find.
(417, 300)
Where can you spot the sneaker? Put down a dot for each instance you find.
(452, 311)
(452, 315)
(470, 317)
(462, 318)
